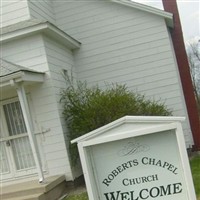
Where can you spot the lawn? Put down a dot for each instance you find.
(195, 167)
(82, 196)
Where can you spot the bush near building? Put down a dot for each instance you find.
(88, 108)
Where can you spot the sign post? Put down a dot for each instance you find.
(137, 158)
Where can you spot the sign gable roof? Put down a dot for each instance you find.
(125, 120)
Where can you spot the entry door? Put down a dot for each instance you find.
(16, 156)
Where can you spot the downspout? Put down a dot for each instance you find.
(27, 119)
(184, 71)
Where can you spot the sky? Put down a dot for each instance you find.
(189, 12)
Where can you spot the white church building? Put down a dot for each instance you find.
(110, 41)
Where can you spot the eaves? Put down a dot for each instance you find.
(166, 15)
(45, 28)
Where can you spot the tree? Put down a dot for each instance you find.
(193, 52)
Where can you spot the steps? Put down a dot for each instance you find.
(54, 188)
(27, 197)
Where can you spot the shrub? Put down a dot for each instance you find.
(86, 109)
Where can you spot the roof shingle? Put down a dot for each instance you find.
(7, 68)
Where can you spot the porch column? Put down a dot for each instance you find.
(29, 126)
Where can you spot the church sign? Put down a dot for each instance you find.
(137, 158)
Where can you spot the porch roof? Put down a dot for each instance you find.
(10, 72)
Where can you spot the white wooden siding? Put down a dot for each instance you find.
(119, 44)
(28, 52)
(41, 10)
(31, 52)
(124, 45)
(13, 12)
(59, 58)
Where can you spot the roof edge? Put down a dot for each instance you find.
(21, 76)
(167, 16)
(128, 119)
(73, 43)
(20, 68)
(18, 73)
(46, 28)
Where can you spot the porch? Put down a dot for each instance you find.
(19, 154)
(53, 188)
(29, 147)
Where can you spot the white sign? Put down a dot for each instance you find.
(135, 162)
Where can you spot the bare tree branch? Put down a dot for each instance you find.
(193, 52)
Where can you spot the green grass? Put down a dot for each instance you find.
(195, 167)
(82, 196)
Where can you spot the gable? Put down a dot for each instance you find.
(127, 123)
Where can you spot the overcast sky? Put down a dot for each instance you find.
(189, 11)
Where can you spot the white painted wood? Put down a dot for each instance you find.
(162, 126)
(166, 15)
(13, 12)
(87, 175)
(29, 127)
(42, 10)
(119, 44)
(129, 134)
(127, 120)
(7, 138)
(60, 58)
(32, 52)
(41, 28)
(185, 161)
(124, 45)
